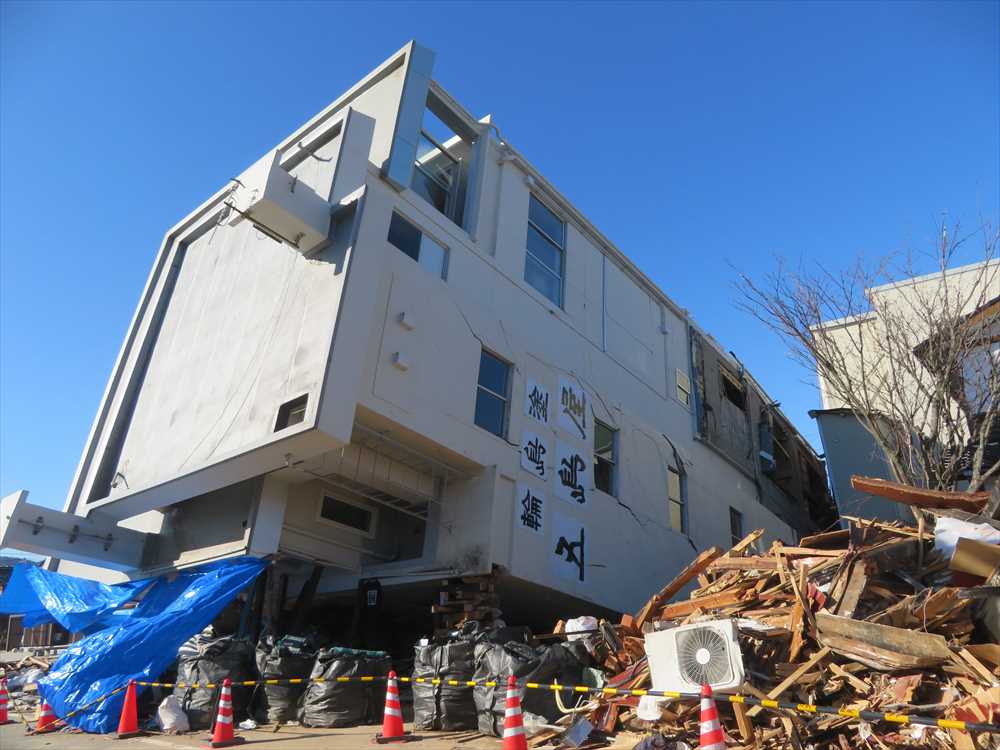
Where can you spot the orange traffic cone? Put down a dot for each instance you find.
(128, 724)
(711, 730)
(513, 724)
(392, 720)
(222, 735)
(46, 718)
(4, 697)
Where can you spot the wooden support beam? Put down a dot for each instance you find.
(697, 566)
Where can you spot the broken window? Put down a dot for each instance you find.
(605, 457)
(735, 526)
(413, 242)
(543, 260)
(345, 513)
(441, 168)
(733, 389)
(291, 413)
(675, 500)
(492, 393)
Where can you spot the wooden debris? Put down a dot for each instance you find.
(861, 618)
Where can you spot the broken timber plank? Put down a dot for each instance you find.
(881, 647)
(918, 497)
(698, 565)
(793, 678)
(681, 609)
(744, 563)
(744, 724)
(858, 684)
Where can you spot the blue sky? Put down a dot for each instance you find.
(699, 137)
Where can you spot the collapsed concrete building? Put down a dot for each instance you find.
(392, 349)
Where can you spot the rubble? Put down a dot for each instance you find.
(865, 618)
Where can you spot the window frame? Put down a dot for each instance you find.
(506, 397)
(738, 515)
(613, 490)
(561, 277)
(452, 190)
(681, 501)
(423, 233)
(685, 389)
(326, 493)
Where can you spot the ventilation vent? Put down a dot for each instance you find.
(291, 413)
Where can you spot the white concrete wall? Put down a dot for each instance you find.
(631, 384)
(250, 324)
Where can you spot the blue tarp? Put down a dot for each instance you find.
(140, 648)
(75, 603)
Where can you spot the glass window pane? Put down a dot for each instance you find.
(435, 162)
(347, 514)
(604, 441)
(542, 279)
(493, 373)
(604, 473)
(427, 188)
(673, 485)
(547, 221)
(490, 412)
(432, 256)
(676, 516)
(545, 251)
(405, 236)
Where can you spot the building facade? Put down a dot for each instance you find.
(393, 348)
(971, 295)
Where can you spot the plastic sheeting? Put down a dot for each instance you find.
(145, 644)
(75, 603)
(286, 657)
(209, 659)
(560, 662)
(443, 706)
(344, 704)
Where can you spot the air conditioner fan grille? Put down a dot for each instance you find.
(703, 656)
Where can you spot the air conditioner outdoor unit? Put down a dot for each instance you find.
(280, 205)
(684, 658)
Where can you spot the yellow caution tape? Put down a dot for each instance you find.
(806, 708)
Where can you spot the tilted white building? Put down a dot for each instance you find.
(392, 347)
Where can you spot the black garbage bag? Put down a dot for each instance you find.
(558, 662)
(442, 706)
(344, 704)
(282, 658)
(207, 659)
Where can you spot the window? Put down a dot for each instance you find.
(492, 393)
(683, 388)
(350, 514)
(417, 245)
(675, 500)
(543, 261)
(441, 165)
(733, 390)
(735, 526)
(291, 412)
(605, 457)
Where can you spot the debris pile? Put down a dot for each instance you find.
(874, 617)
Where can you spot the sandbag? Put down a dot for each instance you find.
(344, 704)
(207, 659)
(280, 659)
(558, 662)
(445, 707)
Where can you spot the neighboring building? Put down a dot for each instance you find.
(393, 348)
(849, 448)
(13, 634)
